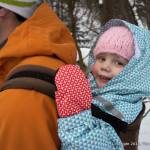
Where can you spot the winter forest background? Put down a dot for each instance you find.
(84, 19)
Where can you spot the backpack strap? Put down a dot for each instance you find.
(116, 123)
(31, 77)
(115, 120)
(111, 108)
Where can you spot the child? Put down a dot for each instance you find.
(113, 51)
(117, 90)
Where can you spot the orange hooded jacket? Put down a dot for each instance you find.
(28, 119)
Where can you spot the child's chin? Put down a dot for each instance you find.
(100, 85)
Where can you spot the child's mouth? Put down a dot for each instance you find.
(104, 78)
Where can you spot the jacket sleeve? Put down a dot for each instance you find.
(82, 131)
(72, 129)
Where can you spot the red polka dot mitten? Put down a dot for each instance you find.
(74, 92)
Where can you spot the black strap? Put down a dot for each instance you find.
(3, 43)
(34, 74)
(109, 107)
(116, 123)
(31, 77)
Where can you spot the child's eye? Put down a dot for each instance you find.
(101, 58)
(119, 63)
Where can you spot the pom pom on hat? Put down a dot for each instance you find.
(118, 40)
(24, 8)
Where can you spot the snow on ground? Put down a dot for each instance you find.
(144, 134)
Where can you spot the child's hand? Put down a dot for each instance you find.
(74, 92)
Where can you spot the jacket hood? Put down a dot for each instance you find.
(126, 90)
(43, 34)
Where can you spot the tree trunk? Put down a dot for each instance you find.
(148, 13)
(108, 11)
(71, 6)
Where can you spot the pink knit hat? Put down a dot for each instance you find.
(118, 40)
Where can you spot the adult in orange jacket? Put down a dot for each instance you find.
(28, 119)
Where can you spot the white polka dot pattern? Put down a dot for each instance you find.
(74, 92)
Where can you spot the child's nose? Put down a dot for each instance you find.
(106, 66)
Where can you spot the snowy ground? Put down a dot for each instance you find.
(144, 135)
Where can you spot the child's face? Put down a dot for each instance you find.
(106, 67)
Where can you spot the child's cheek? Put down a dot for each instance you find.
(94, 70)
